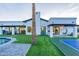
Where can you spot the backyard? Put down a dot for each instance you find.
(43, 47)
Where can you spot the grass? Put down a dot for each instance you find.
(20, 38)
(43, 47)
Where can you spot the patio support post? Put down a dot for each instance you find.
(75, 31)
(51, 31)
(26, 30)
(13, 30)
(0, 30)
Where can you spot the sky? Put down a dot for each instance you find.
(23, 11)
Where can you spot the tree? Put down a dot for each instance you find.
(33, 24)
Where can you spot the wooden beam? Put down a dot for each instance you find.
(33, 24)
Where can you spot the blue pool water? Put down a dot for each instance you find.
(4, 40)
(73, 43)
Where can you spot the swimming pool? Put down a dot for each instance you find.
(4, 41)
(73, 43)
(69, 47)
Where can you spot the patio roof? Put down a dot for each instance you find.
(63, 25)
(12, 26)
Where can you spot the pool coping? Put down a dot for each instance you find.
(66, 49)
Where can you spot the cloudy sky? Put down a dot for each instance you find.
(23, 11)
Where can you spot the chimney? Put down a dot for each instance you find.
(38, 25)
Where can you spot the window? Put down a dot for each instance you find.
(22, 30)
(29, 29)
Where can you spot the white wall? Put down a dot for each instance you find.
(29, 23)
(1, 31)
(62, 21)
(44, 23)
(75, 31)
(51, 31)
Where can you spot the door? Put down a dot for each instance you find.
(43, 30)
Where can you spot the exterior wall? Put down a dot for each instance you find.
(48, 30)
(39, 24)
(29, 23)
(62, 21)
(1, 31)
(44, 23)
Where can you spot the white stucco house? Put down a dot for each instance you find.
(62, 27)
(53, 27)
(24, 27)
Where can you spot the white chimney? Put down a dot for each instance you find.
(38, 27)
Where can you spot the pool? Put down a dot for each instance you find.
(73, 43)
(69, 47)
(6, 41)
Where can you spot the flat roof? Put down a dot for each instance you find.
(63, 25)
(12, 26)
(64, 18)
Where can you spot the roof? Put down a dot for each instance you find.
(63, 18)
(31, 19)
(12, 25)
(15, 23)
(63, 24)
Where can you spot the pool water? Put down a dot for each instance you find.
(4, 40)
(73, 43)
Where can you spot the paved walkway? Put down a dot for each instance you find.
(15, 50)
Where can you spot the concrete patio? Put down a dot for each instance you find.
(15, 50)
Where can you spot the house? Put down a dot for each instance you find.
(62, 27)
(24, 27)
(57, 26)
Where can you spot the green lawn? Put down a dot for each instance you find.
(20, 38)
(43, 46)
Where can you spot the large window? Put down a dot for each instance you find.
(29, 29)
(21, 30)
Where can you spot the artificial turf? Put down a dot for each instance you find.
(43, 47)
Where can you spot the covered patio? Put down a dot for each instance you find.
(11, 30)
(63, 30)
